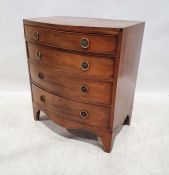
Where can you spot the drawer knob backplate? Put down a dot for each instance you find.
(36, 35)
(42, 98)
(84, 42)
(40, 76)
(38, 55)
(84, 65)
(83, 114)
(84, 89)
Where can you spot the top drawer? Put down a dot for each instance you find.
(72, 41)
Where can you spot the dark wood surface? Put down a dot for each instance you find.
(71, 62)
(97, 115)
(80, 24)
(69, 87)
(71, 40)
(56, 75)
(127, 73)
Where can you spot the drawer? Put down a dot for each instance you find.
(73, 41)
(71, 62)
(71, 87)
(88, 114)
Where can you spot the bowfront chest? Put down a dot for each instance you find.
(83, 71)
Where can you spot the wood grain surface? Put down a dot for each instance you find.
(97, 116)
(69, 87)
(71, 62)
(55, 56)
(70, 40)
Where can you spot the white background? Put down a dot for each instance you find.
(44, 148)
(154, 64)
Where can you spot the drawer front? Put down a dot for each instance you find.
(71, 87)
(71, 62)
(72, 41)
(80, 112)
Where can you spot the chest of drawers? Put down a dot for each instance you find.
(83, 71)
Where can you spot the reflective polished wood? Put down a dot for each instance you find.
(83, 71)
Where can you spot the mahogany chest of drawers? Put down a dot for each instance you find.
(83, 71)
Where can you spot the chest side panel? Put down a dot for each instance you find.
(127, 72)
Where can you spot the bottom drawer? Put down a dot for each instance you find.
(83, 113)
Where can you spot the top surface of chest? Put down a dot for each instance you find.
(81, 21)
(90, 25)
(100, 36)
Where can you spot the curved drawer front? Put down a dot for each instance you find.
(80, 112)
(73, 41)
(71, 62)
(71, 87)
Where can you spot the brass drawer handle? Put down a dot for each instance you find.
(84, 89)
(42, 98)
(40, 76)
(84, 114)
(36, 35)
(84, 42)
(84, 65)
(38, 55)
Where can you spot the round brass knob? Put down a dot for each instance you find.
(84, 114)
(40, 76)
(36, 35)
(38, 55)
(84, 89)
(84, 42)
(84, 65)
(42, 98)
